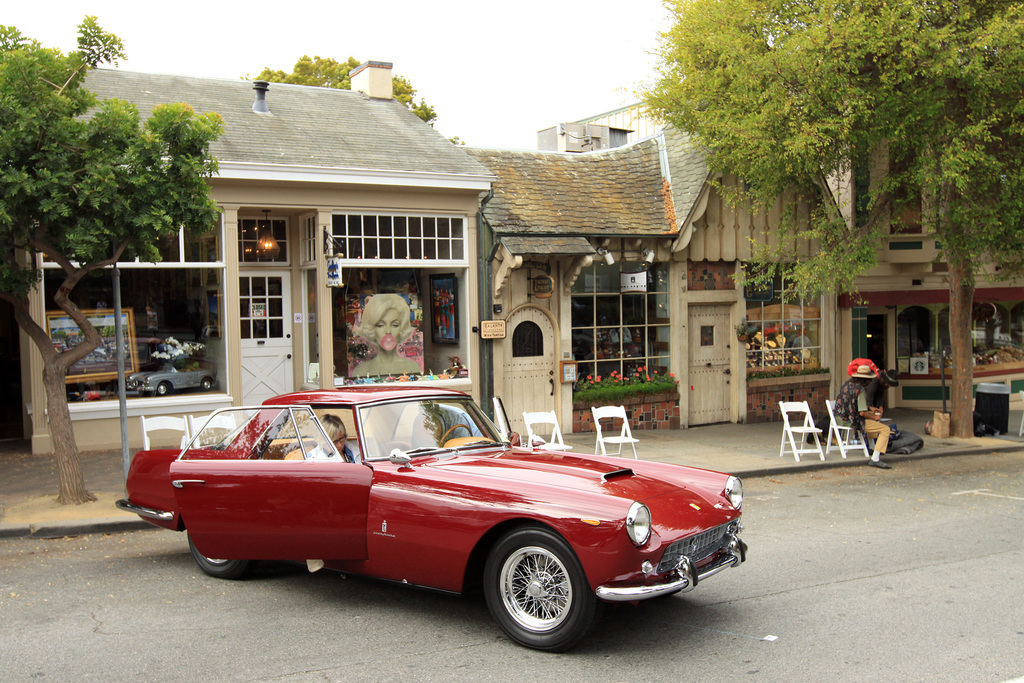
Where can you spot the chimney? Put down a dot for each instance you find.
(260, 105)
(373, 79)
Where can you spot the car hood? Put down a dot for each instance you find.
(565, 472)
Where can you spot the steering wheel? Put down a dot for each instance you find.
(444, 437)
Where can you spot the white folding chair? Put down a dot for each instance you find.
(1020, 432)
(534, 440)
(163, 423)
(625, 434)
(844, 438)
(795, 433)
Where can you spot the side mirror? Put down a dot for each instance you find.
(398, 457)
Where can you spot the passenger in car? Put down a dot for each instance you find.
(335, 429)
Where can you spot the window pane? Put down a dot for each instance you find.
(608, 310)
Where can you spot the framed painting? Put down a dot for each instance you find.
(444, 309)
(101, 364)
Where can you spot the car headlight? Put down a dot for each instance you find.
(734, 492)
(638, 523)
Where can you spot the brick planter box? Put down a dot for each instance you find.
(650, 411)
(763, 395)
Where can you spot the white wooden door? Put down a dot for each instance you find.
(266, 323)
(529, 373)
(710, 343)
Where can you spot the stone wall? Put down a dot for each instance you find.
(763, 395)
(653, 411)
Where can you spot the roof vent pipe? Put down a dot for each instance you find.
(260, 105)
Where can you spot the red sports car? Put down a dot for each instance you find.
(427, 491)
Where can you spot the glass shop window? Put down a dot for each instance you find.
(922, 332)
(171, 320)
(784, 331)
(620, 328)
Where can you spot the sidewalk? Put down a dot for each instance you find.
(28, 483)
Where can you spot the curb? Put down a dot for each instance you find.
(15, 530)
(102, 525)
(806, 466)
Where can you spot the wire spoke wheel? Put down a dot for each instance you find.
(535, 588)
(537, 591)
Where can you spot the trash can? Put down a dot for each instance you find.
(992, 403)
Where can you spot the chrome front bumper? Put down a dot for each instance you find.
(683, 578)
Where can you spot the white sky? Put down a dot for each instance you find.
(495, 72)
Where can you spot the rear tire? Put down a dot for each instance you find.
(221, 569)
(537, 591)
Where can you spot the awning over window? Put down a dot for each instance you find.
(519, 245)
(512, 248)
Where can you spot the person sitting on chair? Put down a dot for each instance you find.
(335, 429)
(852, 408)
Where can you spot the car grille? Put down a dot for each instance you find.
(697, 547)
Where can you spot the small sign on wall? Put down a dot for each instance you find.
(568, 371)
(492, 329)
(633, 282)
(919, 365)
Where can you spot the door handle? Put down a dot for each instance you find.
(727, 371)
(180, 483)
(552, 386)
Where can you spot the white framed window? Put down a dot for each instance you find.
(396, 239)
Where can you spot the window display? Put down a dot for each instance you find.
(782, 332)
(620, 331)
(171, 320)
(997, 333)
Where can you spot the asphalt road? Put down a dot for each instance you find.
(853, 574)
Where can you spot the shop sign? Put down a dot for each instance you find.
(633, 282)
(543, 286)
(492, 329)
(334, 271)
(257, 310)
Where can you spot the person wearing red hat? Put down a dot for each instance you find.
(852, 408)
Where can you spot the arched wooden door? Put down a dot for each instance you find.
(529, 365)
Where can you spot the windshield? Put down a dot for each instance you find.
(423, 426)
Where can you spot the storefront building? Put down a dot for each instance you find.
(317, 187)
(626, 259)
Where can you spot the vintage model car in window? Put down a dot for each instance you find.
(428, 491)
(167, 379)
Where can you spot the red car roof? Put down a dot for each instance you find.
(362, 394)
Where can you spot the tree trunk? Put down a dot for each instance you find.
(69, 467)
(961, 300)
(72, 489)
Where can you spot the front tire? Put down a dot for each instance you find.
(221, 569)
(164, 388)
(537, 591)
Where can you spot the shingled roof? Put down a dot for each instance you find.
(689, 167)
(322, 128)
(621, 191)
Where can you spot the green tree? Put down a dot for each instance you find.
(85, 183)
(330, 73)
(796, 94)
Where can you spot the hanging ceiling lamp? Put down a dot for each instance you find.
(266, 245)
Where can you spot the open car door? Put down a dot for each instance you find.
(241, 499)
